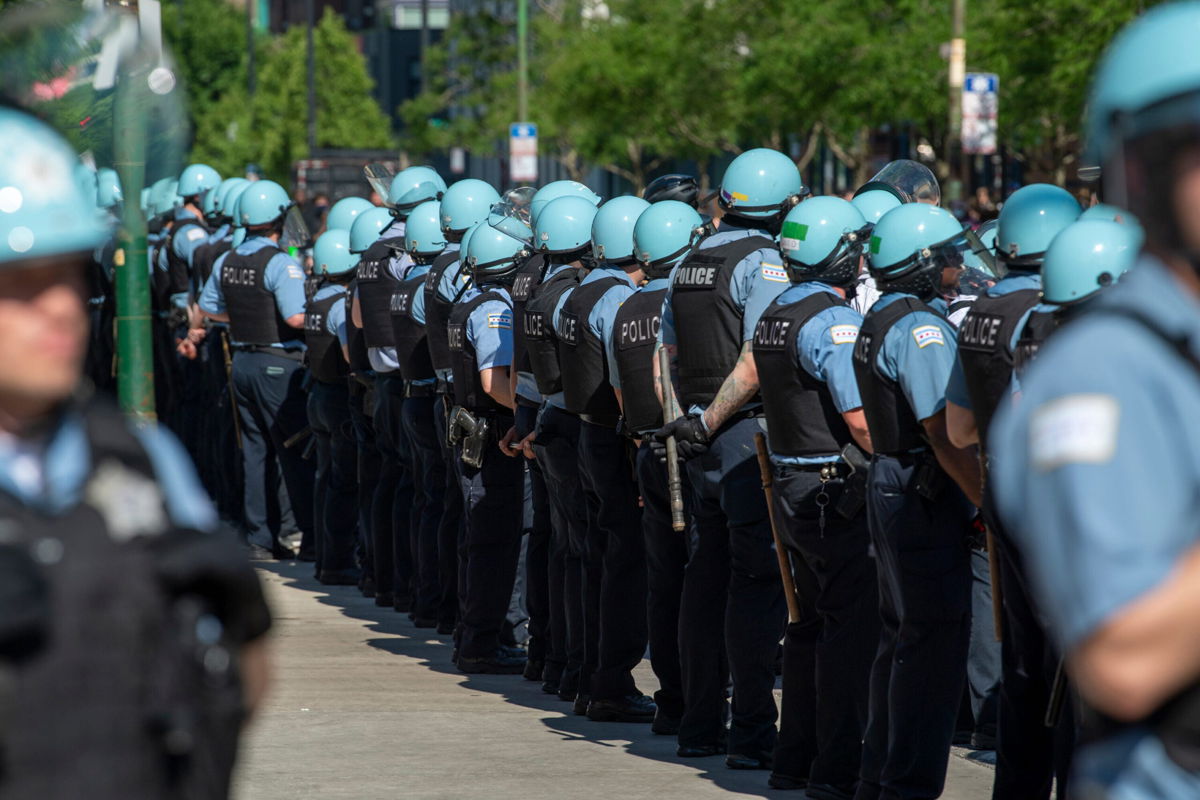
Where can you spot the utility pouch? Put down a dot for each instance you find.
(474, 443)
(929, 480)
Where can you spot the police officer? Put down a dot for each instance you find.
(583, 324)
(336, 486)
(662, 236)
(803, 348)
(716, 295)
(918, 517)
(479, 334)
(1027, 755)
(562, 235)
(363, 232)
(379, 272)
(96, 513)
(423, 241)
(680, 188)
(1094, 470)
(259, 290)
(102, 301)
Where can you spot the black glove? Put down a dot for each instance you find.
(691, 439)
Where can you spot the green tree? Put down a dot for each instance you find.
(208, 40)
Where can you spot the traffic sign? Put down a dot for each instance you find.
(980, 109)
(522, 152)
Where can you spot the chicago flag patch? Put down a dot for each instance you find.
(927, 335)
(844, 334)
(774, 272)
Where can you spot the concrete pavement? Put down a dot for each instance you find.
(366, 706)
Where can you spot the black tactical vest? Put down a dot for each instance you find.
(538, 323)
(325, 359)
(468, 387)
(412, 346)
(894, 428)
(802, 419)
(355, 341)
(179, 274)
(118, 699)
(160, 281)
(586, 389)
(437, 310)
(524, 282)
(312, 284)
(1037, 329)
(253, 315)
(635, 330)
(708, 325)
(204, 256)
(375, 287)
(983, 349)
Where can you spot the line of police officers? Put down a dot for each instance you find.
(483, 369)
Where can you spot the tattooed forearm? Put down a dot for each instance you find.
(739, 386)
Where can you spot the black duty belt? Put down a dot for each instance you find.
(443, 386)
(292, 355)
(412, 389)
(835, 470)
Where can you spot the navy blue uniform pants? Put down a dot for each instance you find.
(393, 502)
(828, 654)
(923, 564)
(617, 543)
(335, 500)
(543, 590)
(666, 558)
(557, 449)
(271, 407)
(451, 524)
(429, 481)
(361, 405)
(493, 498)
(735, 549)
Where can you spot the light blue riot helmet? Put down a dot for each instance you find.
(342, 213)
(331, 253)
(911, 245)
(108, 188)
(165, 198)
(822, 239)
(85, 176)
(466, 240)
(262, 203)
(413, 186)
(1030, 219)
(564, 226)
(493, 257)
(43, 210)
(874, 203)
(145, 200)
(227, 194)
(367, 226)
(762, 185)
(556, 189)
(196, 179)
(612, 229)
(664, 235)
(239, 236)
(209, 206)
(1110, 213)
(158, 190)
(423, 236)
(466, 204)
(1085, 257)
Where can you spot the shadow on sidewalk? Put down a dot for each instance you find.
(399, 636)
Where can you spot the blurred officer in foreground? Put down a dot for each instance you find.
(803, 347)
(259, 290)
(131, 638)
(1095, 469)
(917, 515)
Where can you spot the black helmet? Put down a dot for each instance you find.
(683, 188)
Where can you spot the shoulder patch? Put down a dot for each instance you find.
(927, 335)
(195, 233)
(774, 272)
(500, 319)
(1076, 429)
(295, 272)
(844, 334)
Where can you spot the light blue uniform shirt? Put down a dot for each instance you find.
(283, 277)
(417, 309)
(600, 318)
(919, 353)
(489, 329)
(757, 280)
(449, 287)
(1097, 474)
(956, 389)
(610, 344)
(335, 320)
(50, 475)
(183, 245)
(825, 350)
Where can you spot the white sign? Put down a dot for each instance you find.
(980, 108)
(522, 152)
(458, 161)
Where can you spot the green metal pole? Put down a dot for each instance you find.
(135, 361)
(522, 60)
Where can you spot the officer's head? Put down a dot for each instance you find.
(683, 188)
(612, 230)
(822, 240)
(556, 189)
(194, 181)
(917, 249)
(367, 226)
(466, 204)
(423, 236)
(493, 257)
(1143, 127)
(664, 234)
(344, 211)
(1086, 257)
(332, 257)
(48, 226)
(413, 186)
(1029, 221)
(874, 203)
(563, 228)
(759, 188)
(262, 207)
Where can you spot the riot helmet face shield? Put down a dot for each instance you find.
(512, 214)
(930, 272)
(909, 181)
(380, 177)
(295, 229)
